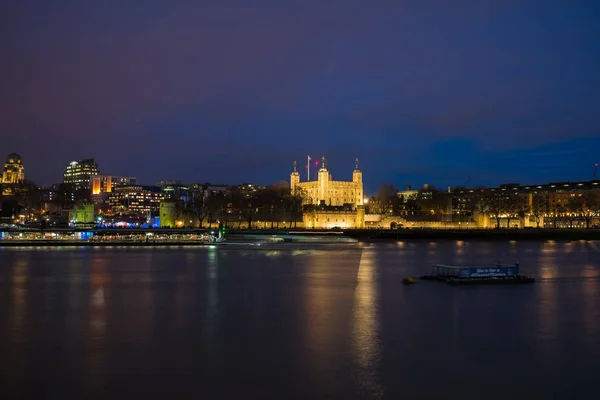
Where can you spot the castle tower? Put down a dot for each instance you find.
(294, 179)
(323, 179)
(357, 179)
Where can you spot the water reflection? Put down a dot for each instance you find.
(96, 352)
(320, 309)
(366, 324)
(547, 304)
(591, 312)
(325, 322)
(18, 319)
(547, 261)
(212, 292)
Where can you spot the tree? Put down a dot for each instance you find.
(200, 204)
(218, 205)
(495, 204)
(272, 205)
(386, 200)
(539, 207)
(558, 208)
(588, 206)
(293, 204)
(245, 205)
(515, 207)
(432, 202)
(573, 207)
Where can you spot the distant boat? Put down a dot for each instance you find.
(494, 274)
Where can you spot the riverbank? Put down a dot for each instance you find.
(477, 234)
(233, 244)
(279, 238)
(367, 235)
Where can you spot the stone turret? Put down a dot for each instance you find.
(357, 178)
(323, 179)
(294, 178)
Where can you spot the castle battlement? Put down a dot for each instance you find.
(326, 191)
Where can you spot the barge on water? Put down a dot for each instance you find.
(460, 275)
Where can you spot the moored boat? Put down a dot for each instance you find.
(495, 274)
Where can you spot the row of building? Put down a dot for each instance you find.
(325, 202)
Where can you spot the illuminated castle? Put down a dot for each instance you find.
(343, 200)
(327, 192)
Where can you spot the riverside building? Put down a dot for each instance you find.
(79, 173)
(14, 171)
(329, 203)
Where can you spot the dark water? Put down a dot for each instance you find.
(297, 323)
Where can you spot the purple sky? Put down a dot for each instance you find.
(423, 91)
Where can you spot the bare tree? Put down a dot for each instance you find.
(271, 203)
(495, 205)
(558, 208)
(587, 206)
(515, 207)
(294, 203)
(386, 200)
(218, 206)
(200, 205)
(245, 205)
(434, 203)
(539, 207)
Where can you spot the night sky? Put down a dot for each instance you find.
(441, 92)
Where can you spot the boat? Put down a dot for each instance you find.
(409, 280)
(464, 275)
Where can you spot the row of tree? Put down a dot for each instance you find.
(273, 205)
(498, 205)
(556, 206)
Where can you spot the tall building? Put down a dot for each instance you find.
(14, 171)
(135, 199)
(327, 192)
(79, 173)
(107, 183)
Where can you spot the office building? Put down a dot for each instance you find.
(14, 171)
(79, 173)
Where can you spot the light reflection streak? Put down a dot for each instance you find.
(366, 324)
(210, 327)
(20, 274)
(213, 281)
(548, 303)
(97, 323)
(548, 262)
(460, 247)
(568, 247)
(591, 312)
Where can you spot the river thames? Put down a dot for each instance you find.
(298, 322)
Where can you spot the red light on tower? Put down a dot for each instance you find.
(316, 163)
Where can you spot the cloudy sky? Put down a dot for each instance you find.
(425, 91)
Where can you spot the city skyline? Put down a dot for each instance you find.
(102, 179)
(472, 93)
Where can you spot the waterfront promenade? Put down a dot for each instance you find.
(201, 237)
